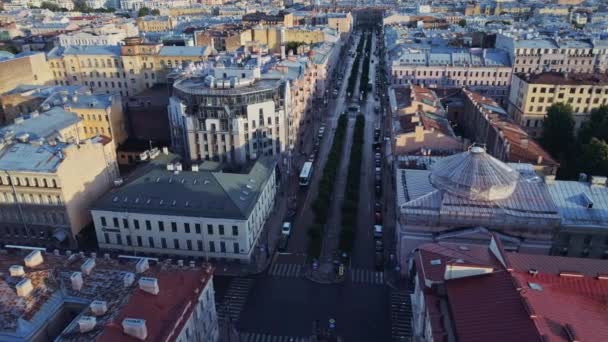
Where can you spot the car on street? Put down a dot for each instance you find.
(377, 231)
(283, 240)
(286, 229)
(378, 217)
(377, 206)
(378, 190)
(379, 245)
(378, 162)
(379, 260)
(311, 158)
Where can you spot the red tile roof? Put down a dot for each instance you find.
(579, 302)
(556, 264)
(504, 306)
(449, 253)
(179, 291)
(489, 308)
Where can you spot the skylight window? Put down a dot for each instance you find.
(436, 262)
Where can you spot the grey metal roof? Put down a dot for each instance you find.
(43, 125)
(474, 175)
(195, 194)
(571, 199)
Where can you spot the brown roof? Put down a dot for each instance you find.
(557, 78)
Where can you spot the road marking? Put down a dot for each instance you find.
(364, 276)
(262, 337)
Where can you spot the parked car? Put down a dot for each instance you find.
(377, 217)
(379, 245)
(378, 190)
(282, 246)
(379, 260)
(378, 206)
(286, 230)
(377, 231)
(311, 158)
(378, 163)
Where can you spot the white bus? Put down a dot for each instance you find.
(306, 174)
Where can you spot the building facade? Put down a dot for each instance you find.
(230, 115)
(45, 188)
(196, 213)
(531, 95)
(24, 68)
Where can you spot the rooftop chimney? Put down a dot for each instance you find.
(76, 279)
(170, 167)
(178, 166)
(194, 167)
(99, 307)
(142, 266)
(128, 279)
(24, 287)
(16, 271)
(87, 266)
(135, 328)
(86, 323)
(149, 285)
(33, 259)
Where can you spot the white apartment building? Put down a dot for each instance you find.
(229, 114)
(197, 213)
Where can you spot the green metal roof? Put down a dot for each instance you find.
(187, 193)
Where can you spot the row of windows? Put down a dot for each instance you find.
(572, 90)
(153, 243)
(174, 226)
(451, 82)
(8, 197)
(25, 181)
(453, 73)
(546, 51)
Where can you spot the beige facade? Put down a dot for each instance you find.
(27, 68)
(531, 95)
(124, 70)
(156, 23)
(50, 207)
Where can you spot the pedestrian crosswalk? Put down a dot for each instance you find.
(401, 316)
(232, 304)
(285, 270)
(259, 337)
(363, 276)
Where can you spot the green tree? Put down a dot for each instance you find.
(144, 11)
(81, 6)
(155, 12)
(596, 126)
(462, 23)
(594, 157)
(558, 130)
(50, 6)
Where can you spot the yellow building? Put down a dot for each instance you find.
(50, 178)
(531, 95)
(126, 70)
(158, 23)
(100, 114)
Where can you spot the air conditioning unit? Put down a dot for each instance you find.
(86, 323)
(76, 279)
(16, 271)
(99, 307)
(24, 287)
(142, 266)
(33, 259)
(135, 328)
(87, 266)
(149, 285)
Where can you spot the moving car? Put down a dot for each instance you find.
(379, 246)
(286, 230)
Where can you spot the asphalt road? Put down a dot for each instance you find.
(282, 303)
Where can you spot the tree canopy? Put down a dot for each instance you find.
(558, 129)
(594, 157)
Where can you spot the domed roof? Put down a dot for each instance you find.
(474, 175)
